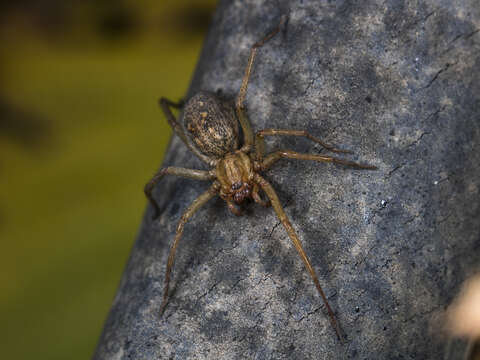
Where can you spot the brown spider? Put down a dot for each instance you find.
(213, 129)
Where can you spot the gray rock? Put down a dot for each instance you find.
(397, 82)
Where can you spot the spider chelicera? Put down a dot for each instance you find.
(212, 125)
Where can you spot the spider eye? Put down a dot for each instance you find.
(236, 186)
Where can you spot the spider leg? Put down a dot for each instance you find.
(188, 173)
(265, 185)
(239, 102)
(192, 209)
(166, 104)
(234, 209)
(273, 157)
(257, 198)
(260, 142)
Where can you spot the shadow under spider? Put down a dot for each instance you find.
(212, 127)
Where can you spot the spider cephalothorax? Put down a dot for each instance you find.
(235, 175)
(212, 126)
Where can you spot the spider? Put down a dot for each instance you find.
(212, 126)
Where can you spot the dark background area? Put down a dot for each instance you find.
(80, 134)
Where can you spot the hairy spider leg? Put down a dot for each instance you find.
(165, 105)
(192, 209)
(257, 198)
(187, 173)
(272, 195)
(233, 208)
(239, 102)
(273, 157)
(260, 142)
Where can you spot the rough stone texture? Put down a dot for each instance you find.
(396, 81)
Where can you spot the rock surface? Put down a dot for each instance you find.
(397, 82)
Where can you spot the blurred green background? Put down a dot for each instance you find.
(80, 135)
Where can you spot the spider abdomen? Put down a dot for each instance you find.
(211, 124)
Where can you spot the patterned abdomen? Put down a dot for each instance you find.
(211, 124)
